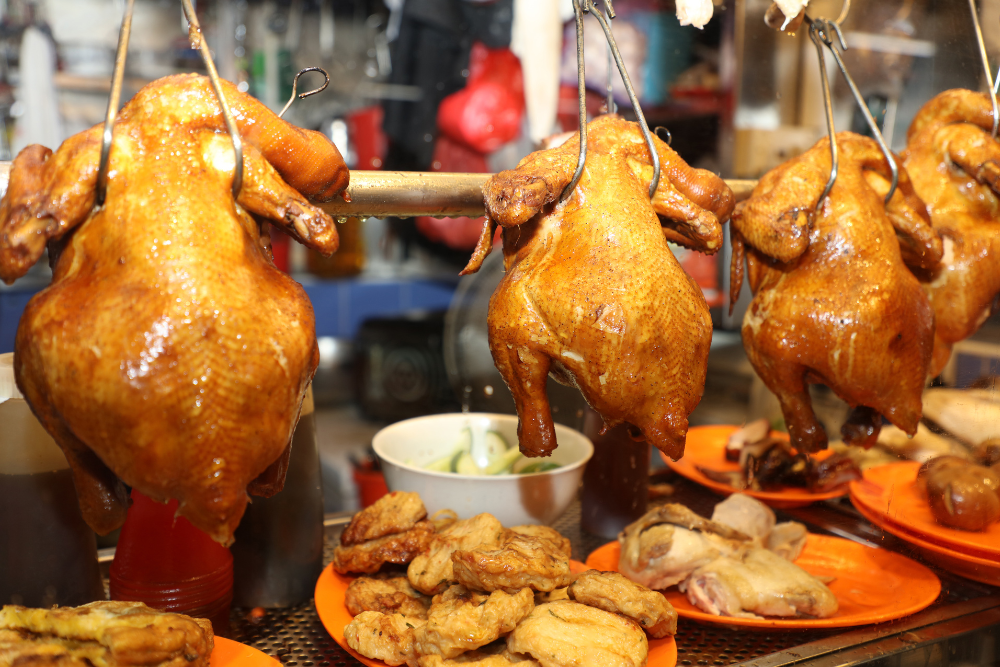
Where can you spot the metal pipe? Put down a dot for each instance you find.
(116, 93)
(581, 78)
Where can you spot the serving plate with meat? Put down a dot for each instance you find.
(705, 462)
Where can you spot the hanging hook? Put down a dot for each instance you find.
(302, 96)
(113, 101)
(814, 35)
(844, 11)
(986, 65)
(664, 135)
(198, 39)
(581, 78)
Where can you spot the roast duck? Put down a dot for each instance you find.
(592, 293)
(834, 300)
(169, 353)
(954, 164)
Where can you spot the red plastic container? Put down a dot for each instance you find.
(164, 561)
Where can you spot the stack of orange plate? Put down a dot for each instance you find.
(888, 497)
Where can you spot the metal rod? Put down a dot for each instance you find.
(632, 98)
(828, 106)
(302, 96)
(116, 93)
(986, 65)
(581, 78)
(198, 39)
(612, 107)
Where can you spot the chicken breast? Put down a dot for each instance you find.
(613, 592)
(569, 634)
(745, 514)
(389, 595)
(460, 620)
(432, 572)
(368, 557)
(385, 637)
(395, 512)
(520, 561)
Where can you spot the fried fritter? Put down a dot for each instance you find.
(393, 513)
(613, 592)
(519, 561)
(432, 572)
(385, 637)
(491, 655)
(552, 596)
(460, 620)
(103, 634)
(545, 533)
(369, 556)
(570, 634)
(389, 595)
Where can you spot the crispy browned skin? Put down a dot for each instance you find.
(460, 620)
(833, 300)
(168, 352)
(955, 167)
(389, 595)
(395, 512)
(592, 292)
(369, 556)
(103, 634)
(520, 561)
(613, 592)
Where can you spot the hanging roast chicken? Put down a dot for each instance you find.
(169, 353)
(592, 293)
(834, 302)
(955, 167)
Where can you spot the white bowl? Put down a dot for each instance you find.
(513, 499)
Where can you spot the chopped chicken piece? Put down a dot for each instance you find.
(613, 592)
(460, 620)
(746, 514)
(787, 540)
(389, 595)
(519, 561)
(395, 512)
(369, 556)
(385, 637)
(758, 584)
(570, 634)
(432, 572)
(560, 542)
(694, 12)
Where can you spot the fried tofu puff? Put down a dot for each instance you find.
(367, 557)
(431, 572)
(569, 634)
(393, 513)
(389, 595)
(385, 637)
(613, 592)
(461, 620)
(492, 655)
(520, 561)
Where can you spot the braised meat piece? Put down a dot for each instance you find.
(961, 494)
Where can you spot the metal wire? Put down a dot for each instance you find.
(986, 65)
(582, 91)
(195, 35)
(814, 35)
(116, 93)
(302, 96)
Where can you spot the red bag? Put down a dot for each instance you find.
(487, 113)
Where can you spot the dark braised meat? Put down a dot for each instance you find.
(961, 494)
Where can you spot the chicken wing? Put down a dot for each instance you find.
(613, 592)
(460, 620)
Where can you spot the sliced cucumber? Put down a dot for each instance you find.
(538, 466)
(442, 464)
(503, 463)
(466, 466)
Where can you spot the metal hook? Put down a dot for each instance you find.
(195, 34)
(578, 11)
(302, 96)
(814, 35)
(113, 101)
(664, 135)
(986, 65)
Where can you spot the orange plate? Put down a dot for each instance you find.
(706, 448)
(228, 653)
(332, 586)
(971, 567)
(871, 585)
(889, 492)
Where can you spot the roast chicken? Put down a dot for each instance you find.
(955, 167)
(592, 293)
(169, 353)
(834, 301)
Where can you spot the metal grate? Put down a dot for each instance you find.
(297, 638)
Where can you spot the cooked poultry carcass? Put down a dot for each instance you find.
(833, 300)
(169, 353)
(955, 168)
(592, 292)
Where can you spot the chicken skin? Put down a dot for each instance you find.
(169, 354)
(834, 301)
(955, 168)
(592, 293)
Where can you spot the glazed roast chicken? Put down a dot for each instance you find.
(592, 293)
(834, 301)
(169, 353)
(954, 164)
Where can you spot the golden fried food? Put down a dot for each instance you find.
(460, 620)
(400, 549)
(389, 595)
(558, 541)
(570, 634)
(102, 634)
(552, 596)
(169, 354)
(385, 637)
(612, 592)
(432, 572)
(519, 561)
(491, 655)
(592, 293)
(834, 297)
(961, 494)
(395, 512)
